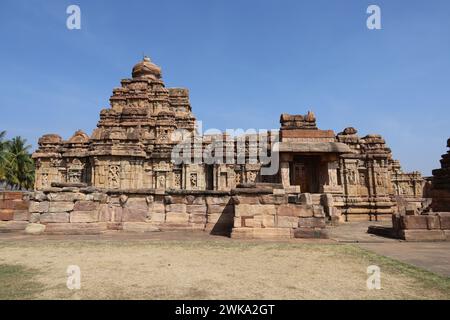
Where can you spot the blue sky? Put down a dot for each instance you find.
(245, 62)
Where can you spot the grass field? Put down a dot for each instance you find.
(206, 270)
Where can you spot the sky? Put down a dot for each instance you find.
(245, 62)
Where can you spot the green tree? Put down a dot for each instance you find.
(19, 166)
(3, 147)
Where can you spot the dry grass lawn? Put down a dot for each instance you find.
(140, 269)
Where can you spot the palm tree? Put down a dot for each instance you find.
(19, 167)
(3, 147)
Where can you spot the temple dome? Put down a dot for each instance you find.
(146, 69)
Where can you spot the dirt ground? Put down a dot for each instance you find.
(215, 268)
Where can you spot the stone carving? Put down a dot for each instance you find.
(193, 180)
(114, 176)
(131, 148)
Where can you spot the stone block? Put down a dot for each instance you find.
(220, 217)
(272, 233)
(157, 207)
(104, 213)
(248, 199)
(252, 223)
(76, 228)
(196, 209)
(433, 222)
(287, 222)
(12, 226)
(54, 217)
(311, 223)
(414, 222)
(84, 205)
(215, 208)
(157, 217)
(176, 208)
(42, 206)
(35, 228)
(295, 210)
(444, 218)
(250, 210)
(175, 217)
(6, 214)
(84, 216)
(66, 196)
(318, 211)
(137, 204)
(273, 199)
(268, 221)
(139, 227)
(20, 205)
(196, 218)
(422, 235)
(237, 222)
(22, 215)
(35, 217)
(305, 198)
(217, 200)
(134, 215)
(60, 206)
(310, 233)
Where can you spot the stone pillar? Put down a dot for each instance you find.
(285, 174)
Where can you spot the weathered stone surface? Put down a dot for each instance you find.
(244, 210)
(444, 219)
(196, 209)
(35, 228)
(287, 222)
(310, 233)
(176, 208)
(414, 222)
(134, 215)
(84, 216)
(12, 226)
(176, 217)
(54, 217)
(311, 223)
(158, 217)
(60, 206)
(139, 227)
(262, 233)
(66, 196)
(22, 215)
(422, 235)
(76, 228)
(294, 210)
(39, 206)
(214, 208)
(86, 205)
(6, 214)
(35, 217)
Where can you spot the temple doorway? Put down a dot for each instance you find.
(305, 173)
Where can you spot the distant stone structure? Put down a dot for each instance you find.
(440, 192)
(124, 175)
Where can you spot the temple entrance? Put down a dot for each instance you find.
(305, 173)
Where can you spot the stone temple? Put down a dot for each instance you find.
(124, 176)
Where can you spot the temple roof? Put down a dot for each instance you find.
(146, 69)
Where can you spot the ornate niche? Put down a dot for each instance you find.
(193, 180)
(75, 171)
(177, 179)
(114, 176)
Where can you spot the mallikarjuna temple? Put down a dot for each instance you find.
(146, 167)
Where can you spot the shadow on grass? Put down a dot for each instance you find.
(17, 282)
